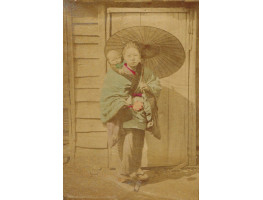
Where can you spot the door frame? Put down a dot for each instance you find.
(191, 51)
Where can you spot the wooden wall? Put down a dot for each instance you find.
(88, 136)
(86, 64)
(66, 97)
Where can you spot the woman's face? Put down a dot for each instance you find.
(132, 57)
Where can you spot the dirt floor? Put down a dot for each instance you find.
(164, 184)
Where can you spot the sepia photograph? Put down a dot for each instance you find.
(131, 99)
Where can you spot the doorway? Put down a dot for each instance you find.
(173, 103)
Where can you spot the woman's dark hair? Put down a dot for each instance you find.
(131, 45)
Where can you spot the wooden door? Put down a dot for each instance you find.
(172, 149)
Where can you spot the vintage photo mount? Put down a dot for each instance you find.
(88, 27)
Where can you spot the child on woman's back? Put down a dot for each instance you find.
(120, 66)
(115, 60)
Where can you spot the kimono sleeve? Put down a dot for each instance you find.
(153, 82)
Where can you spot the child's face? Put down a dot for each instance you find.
(132, 57)
(114, 59)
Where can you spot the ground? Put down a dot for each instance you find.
(101, 184)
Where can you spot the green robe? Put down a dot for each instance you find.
(116, 90)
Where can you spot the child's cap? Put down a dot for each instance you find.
(112, 53)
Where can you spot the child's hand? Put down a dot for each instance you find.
(121, 71)
(137, 106)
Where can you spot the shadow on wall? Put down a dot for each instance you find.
(172, 149)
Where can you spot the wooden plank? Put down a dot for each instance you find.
(192, 1)
(88, 110)
(91, 157)
(102, 33)
(163, 114)
(72, 125)
(89, 82)
(86, 51)
(177, 115)
(183, 36)
(65, 122)
(85, 10)
(66, 96)
(87, 95)
(89, 67)
(144, 1)
(92, 140)
(178, 98)
(85, 29)
(192, 140)
(86, 39)
(132, 1)
(88, 125)
(84, 20)
(142, 10)
(124, 20)
(108, 34)
(66, 153)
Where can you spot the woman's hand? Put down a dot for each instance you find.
(129, 100)
(137, 106)
(143, 86)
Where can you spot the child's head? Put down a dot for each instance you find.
(114, 57)
(131, 54)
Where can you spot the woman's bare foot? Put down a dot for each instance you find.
(139, 175)
(133, 175)
(140, 171)
(142, 177)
